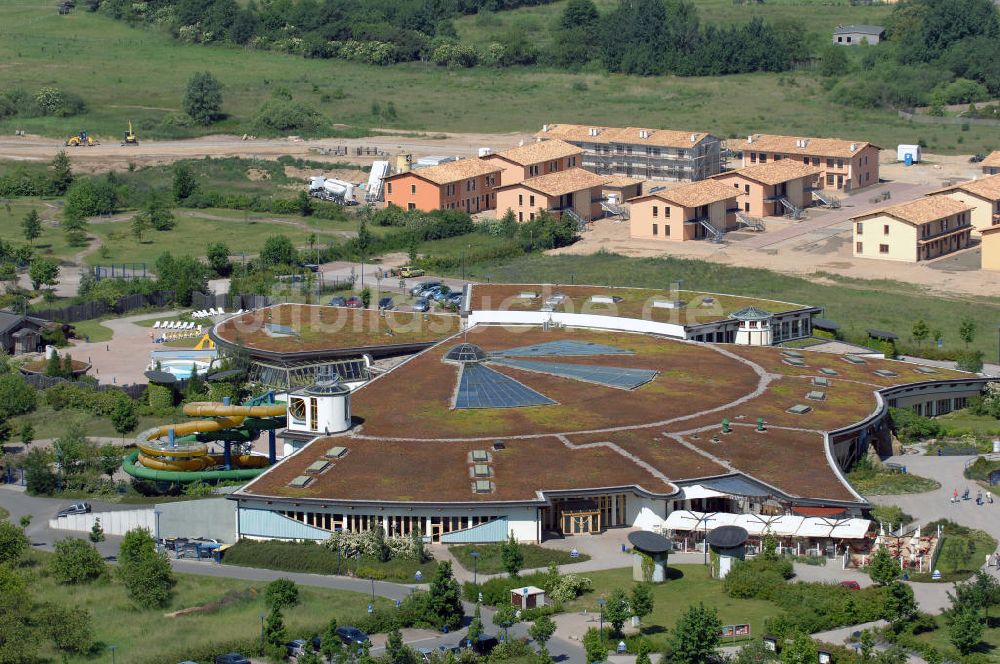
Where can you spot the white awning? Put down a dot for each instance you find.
(689, 520)
(696, 491)
(821, 527)
(757, 524)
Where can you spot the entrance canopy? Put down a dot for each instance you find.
(787, 525)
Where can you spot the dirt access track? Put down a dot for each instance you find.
(113, 156)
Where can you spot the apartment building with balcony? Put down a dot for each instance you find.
(697, 211)
(534, 159)
(468, 185)
(990, 248)
(843, 165)
(983, 195)
(918, 230)
(774, 189)
(574, 192)
(647, 154)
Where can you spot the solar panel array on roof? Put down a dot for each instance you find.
(618, 377)
(482, 387)
(563, 348)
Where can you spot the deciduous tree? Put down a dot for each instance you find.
(695, 637)
(512, 556)
(76, 562)
(203, 98)
(31, 226)
(882, 569)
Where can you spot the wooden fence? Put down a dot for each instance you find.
(97, 308)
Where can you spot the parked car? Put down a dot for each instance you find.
(421, 304)
(422, 286)
(296, 647)
(312, 267)
(231, 658)
(853, 585)
(456, 297)
(385, 303)
(442, 294)
(338, 302)
(75, 508)
(485, 644)
(431, 291)
(352, 635)
(354, 302)
(316, 642)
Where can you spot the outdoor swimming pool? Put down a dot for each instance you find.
(181, 369)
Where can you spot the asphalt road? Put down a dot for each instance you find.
(19, 504)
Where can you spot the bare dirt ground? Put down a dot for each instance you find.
(821, 242)
(112, 156)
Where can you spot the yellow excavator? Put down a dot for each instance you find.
(130, 138)
(83, 138)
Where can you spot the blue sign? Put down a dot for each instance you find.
(371, 609)
(419, 575)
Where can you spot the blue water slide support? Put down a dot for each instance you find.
(226, 401)
(227, 455)
(172, 436)
(272, 455)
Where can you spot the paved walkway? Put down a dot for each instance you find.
(124, 359)
(988, 368)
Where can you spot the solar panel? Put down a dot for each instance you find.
(618, 377)
(465, 352)
(482, 387)
(563, 348)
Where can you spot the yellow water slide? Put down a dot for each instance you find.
(192, 456)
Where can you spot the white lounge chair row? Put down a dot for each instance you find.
(175, 325)
(212, 312)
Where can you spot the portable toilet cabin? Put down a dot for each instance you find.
(908, 154)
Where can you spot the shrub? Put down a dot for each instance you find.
(281, 593)
(759, 578)
(277, 116)
(16, 396)
(910, 427)
(76, 561)
(55, 102)
(13, 542)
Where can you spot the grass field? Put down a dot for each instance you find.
(819, 18)
(93, 330)
(43, 48)
(141, 635)
(490, 561)
(855, 304)
(49, 423)
(962, 421)
(52, 242)
(689, 584)
(961, 553)
(875, 483)
(196, 229)
(989, 646)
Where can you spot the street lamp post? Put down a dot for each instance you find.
(601, 603)
(262, 628)
(113, 649)
(373, 589)
(475, 567)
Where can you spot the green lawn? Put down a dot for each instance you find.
(962, 421)
(49, 423)
(962, 551)
(93, 330)
(490, 562)
(854, 303)
(72, 52)
(52, 243)
(989, 646)
(689, 584)
(243, 233)
(143, 635)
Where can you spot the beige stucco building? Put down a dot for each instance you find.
(843, 165)
(991, 165)
(574, 189)
(690, 212)
(984, 197)
(534, 159)
(918, 230)
(773, 189)
(991, 248)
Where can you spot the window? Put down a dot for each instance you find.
(531, 202)
(829, 179)
(860, 228)
(666, 231)
(777, 157)
(848, 40)
(753, 157)
(532, 217)
(763, 158)
(532, 171)
(656, 230)
(413, 188)
(840, 40)
(656, 211)
(388, 188)
(746, 189)
(885, 229)
(859, 248)
(883, 248)
(815, 161)
(666, 212)
(520, 200)
(520, 216)
(840, 163)
(411, 206)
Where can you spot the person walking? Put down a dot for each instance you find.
(954, 496)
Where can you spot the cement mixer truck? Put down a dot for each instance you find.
(332, 189)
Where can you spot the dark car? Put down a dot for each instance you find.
(295, 648)
(421, 305)
(354, 302)
(485, 644)
(338, 302)
(352, 635)
(75, 508)
(385, 303)
(316, 642)
(312, 267)
(232, 658)
(422, 286)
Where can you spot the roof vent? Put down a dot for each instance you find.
(593, 131)
(300, 482)
(480, 456)
(854, 146)
(317, 467)
(545, 127)
(694, 138)
(750, 139)
(336, 452)
(643, 133)
(499, 445)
